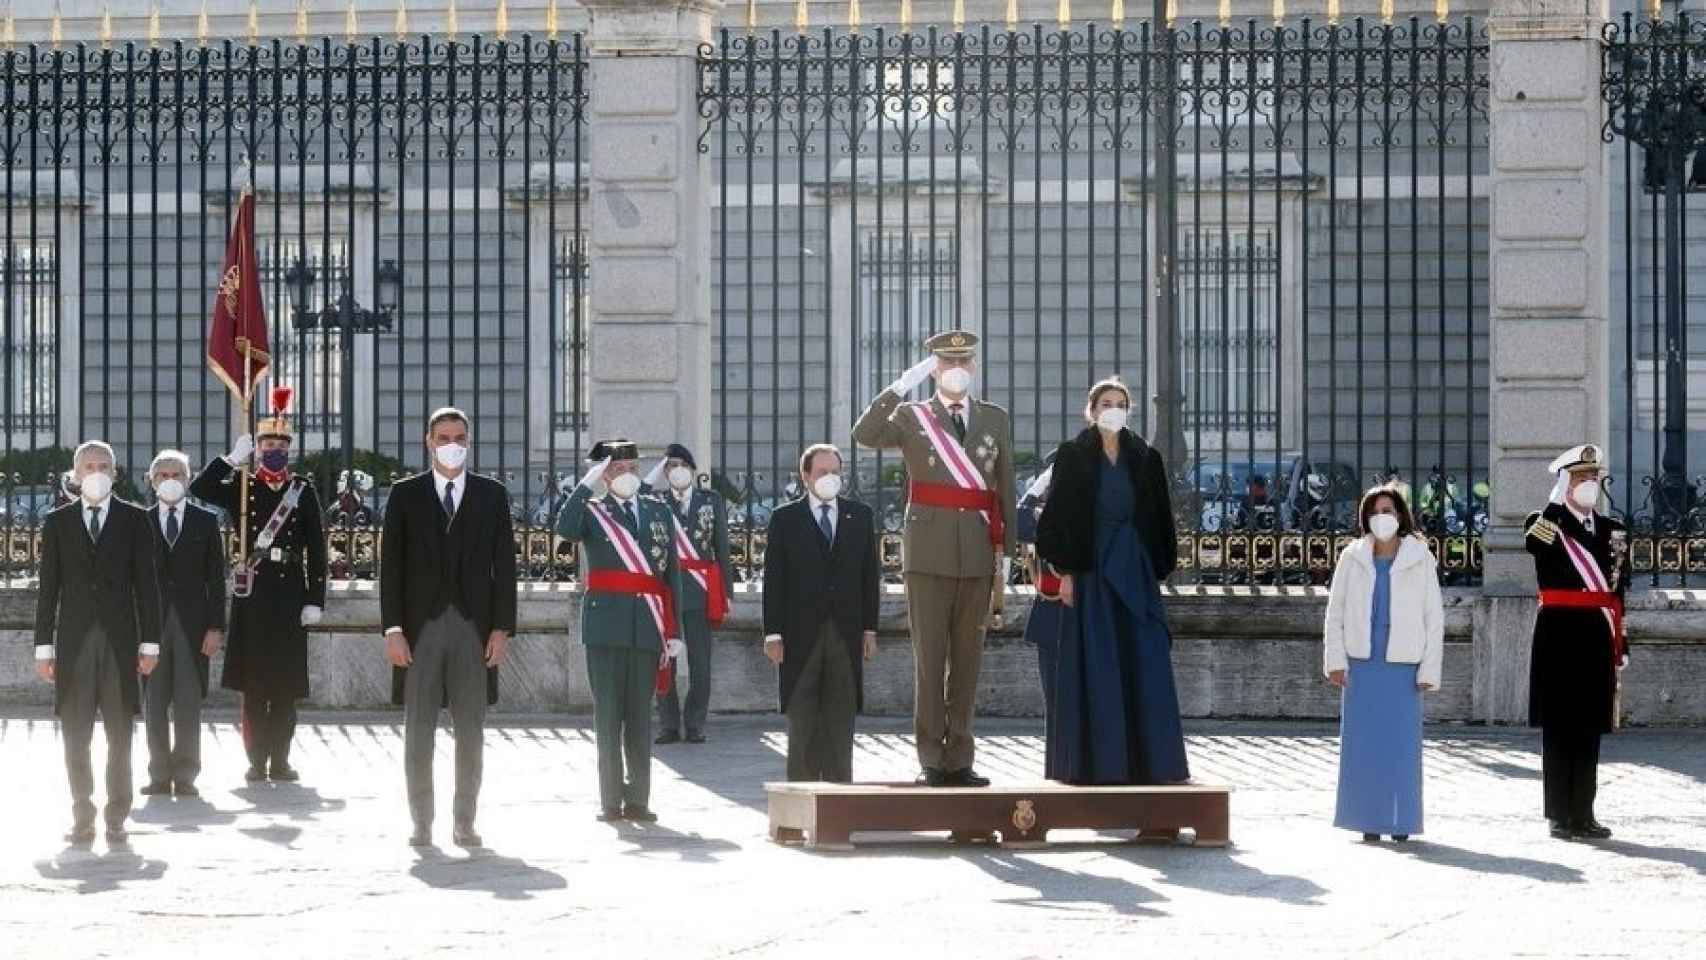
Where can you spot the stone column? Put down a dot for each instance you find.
(649, 225)
(1550, 383)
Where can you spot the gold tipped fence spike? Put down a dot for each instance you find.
(1387, 11)
(959, 16)
(1442, 10)
(1279, 11)
(9, 33)
(751, 16)
(802, 17)
(451, 26)
(1063, 15)
(106, 25)
(1172, 12)
(1226, 13)
(301, 21)
(201, 25)
(854, 19)
(501, 28)
(1117, 14)
(1012, 15)
(352, 24)
(402, 24)
(551, 22)
(905, 16)
(1332, 11)
(254, 23)
(154, 24)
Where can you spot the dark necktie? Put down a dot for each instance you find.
(94, 523)
(823, 524)
(171, 526)
(449, 502)
(628, 515)
(959, 422)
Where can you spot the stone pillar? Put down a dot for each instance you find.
(649, 225)
(1550, 383)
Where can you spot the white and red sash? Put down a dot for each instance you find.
(633, 560)
(966, 475)
(706, 573)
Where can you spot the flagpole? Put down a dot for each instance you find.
(243, 481)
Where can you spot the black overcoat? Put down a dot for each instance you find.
(1572, 679)
(1066, 532)
(192, 577)
(807, 583)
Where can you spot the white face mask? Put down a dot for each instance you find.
(680, 478)
(1384, 526)
(626, 485)
(452, 456)
(828, 486)
(1585, 495)
(1112, 419)
(956, 380)
(170, 491)
(96, 486)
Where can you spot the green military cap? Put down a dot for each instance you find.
(953, 344)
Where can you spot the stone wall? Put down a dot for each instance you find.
(1236, 654)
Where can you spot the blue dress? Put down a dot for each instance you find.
(1042, 626)
(1117, 710)
(1380, 733)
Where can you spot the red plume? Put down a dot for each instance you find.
(281, 397)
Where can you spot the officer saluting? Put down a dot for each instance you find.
(276, 594)
(959, 529)
(1580, 562)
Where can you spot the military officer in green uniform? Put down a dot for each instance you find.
(959, 532)
(707, 586)
(629, 621)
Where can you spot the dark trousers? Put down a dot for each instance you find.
(622, 680)
(698, 706)
(171, 709)
(268, 727)
(1569, 762)
(820, 713)
(96, 686)
(449, 667)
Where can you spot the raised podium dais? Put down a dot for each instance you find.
(825, 816)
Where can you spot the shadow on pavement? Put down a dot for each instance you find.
(299, 803)
(653, 840)
(1693, 859)
(1058, 889)
(1220, 871)
(100, 873)
(1476, 862)
(505, 878)
(181, 815)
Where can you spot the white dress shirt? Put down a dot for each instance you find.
(817, 513)
(965, 408)
(163, 509)
(440, 481)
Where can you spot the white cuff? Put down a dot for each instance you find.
(148, 650)
(391, 630)
(44, 651)
(773, 636)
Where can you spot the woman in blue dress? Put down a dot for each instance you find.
(1108, 527)
(1383, 645)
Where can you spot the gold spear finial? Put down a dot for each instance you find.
(451, 27)
(1012, 15)
(1226, 13)
(854, 17)
(254, 23)
(154, 24)
(301, 21)
(1442, 9)
(1279, 12)
(501, 28)
(751, 16)
(905, 16)
(402, 21)
(9, 33)
(1332, 11)
(1658, 9)
(802, 17)
(56, 33)
(1117, 14)
(1172, 13)
(351, 23)
(201, 25)
(551, 22)
(106, 25)
(959, 16)
(1387, 11)
(1063, 15)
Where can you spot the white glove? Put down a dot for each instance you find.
(1039, 486)
(674, 649)
(655, 478)
(917, 374)
(594, 475)
(241, 451)
(310, 615)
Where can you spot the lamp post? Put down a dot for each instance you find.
(348, 318)
(1657, 102)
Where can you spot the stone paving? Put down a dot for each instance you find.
(322, 869)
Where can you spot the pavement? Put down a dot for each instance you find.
(322, 869)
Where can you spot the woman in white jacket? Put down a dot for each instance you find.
(1384, 642)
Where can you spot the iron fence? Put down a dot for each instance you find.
(417, 170)
(1286, 223)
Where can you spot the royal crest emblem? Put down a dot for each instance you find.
(1024, 816)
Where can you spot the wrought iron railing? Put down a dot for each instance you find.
(1329, 191)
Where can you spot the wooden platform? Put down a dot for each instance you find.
(825, 816)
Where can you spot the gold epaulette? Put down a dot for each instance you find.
(1544, 530)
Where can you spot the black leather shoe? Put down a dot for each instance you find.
(1560, 830)
(967, 778)
(610, 815)
(667, 737)
(1401, 837)
(186, 790)
(1371, 838)
(156, 790)
(285, 773)
(464, 836)
(695, 737)
(255, 774)
(639, 814)
(81, 834)
(932, 777)
(1593, 830)
(422, 837)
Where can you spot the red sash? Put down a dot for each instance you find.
(1611, 603)
(711, 573)
(947, 495)
(638, 584)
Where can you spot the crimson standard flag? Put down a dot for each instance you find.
(239, 318)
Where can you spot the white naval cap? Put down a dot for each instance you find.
(1588, 456)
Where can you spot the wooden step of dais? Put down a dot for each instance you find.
(826, 816)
